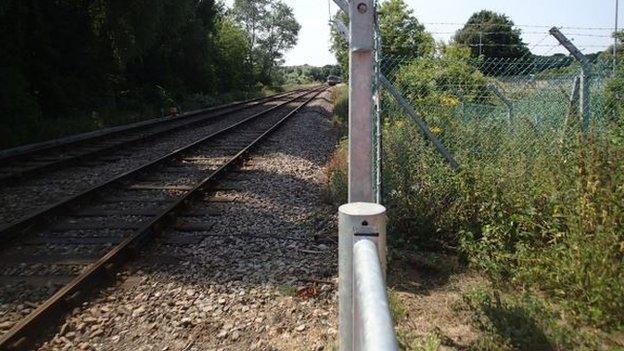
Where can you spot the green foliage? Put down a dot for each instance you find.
(337, 174)
(306, 74)
(401, 33)
(341, 109)
(549, 217)
(535, 207)
(438, 82)
(491, 34)
(339, 45)
(65, 61)
(272, 29)
(614, 96)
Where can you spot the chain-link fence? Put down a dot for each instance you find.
(483, 109)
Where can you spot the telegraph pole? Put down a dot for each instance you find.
(615, 39)
(481, 41)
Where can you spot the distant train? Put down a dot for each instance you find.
(333, 80)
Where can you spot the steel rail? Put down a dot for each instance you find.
(21, 175)
(25, 150)
(10, 230)
(26, 333)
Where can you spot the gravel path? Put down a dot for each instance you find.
(18, 200)
(262, 277)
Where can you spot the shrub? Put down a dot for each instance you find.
(435, 84)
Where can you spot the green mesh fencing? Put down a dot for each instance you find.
(485, 110)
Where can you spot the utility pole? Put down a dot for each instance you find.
(615, 39)
(480, 42)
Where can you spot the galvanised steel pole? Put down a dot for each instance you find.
(361, 14)
(361, 47)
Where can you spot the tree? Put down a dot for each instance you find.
(401, 33)
(281, 31)
(491, 35)
(339, 45)
(251, 15)
(67, 58)
(272, 29)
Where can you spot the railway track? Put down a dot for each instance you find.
(63, 169)
(18, 166)
(66, 249)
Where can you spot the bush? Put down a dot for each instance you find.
(435, 84)
(545, 218)
(614, 95)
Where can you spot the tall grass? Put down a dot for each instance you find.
(548, 217)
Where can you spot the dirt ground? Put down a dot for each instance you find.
(424, 293)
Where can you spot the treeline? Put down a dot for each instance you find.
(66, 59)
(304, 74)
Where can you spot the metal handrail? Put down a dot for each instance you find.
(373, 327)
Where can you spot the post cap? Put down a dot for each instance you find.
(362, 209)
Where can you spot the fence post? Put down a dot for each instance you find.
(424, 128)
(343, 4)
(499, 94)
(574, 101)
(361, 14)
(462, 101)
(361, 46)
(585, 75)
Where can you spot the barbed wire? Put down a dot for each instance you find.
(530, 33)
(523, 26)
(519, 45)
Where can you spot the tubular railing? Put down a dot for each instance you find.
(373, 328)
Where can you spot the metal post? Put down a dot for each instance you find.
(480, 42)
(343, 4)
(361, 14)
(585, 74)
(462, 102)
(378, 116)
(356, 221)
(574, 101)
(499, 94)
(341, 28)
(361, 46)
(615, 39)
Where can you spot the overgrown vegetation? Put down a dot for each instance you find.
(306, 74)
(71, 66)
(538, 211)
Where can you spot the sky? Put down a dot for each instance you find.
(588, 23)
